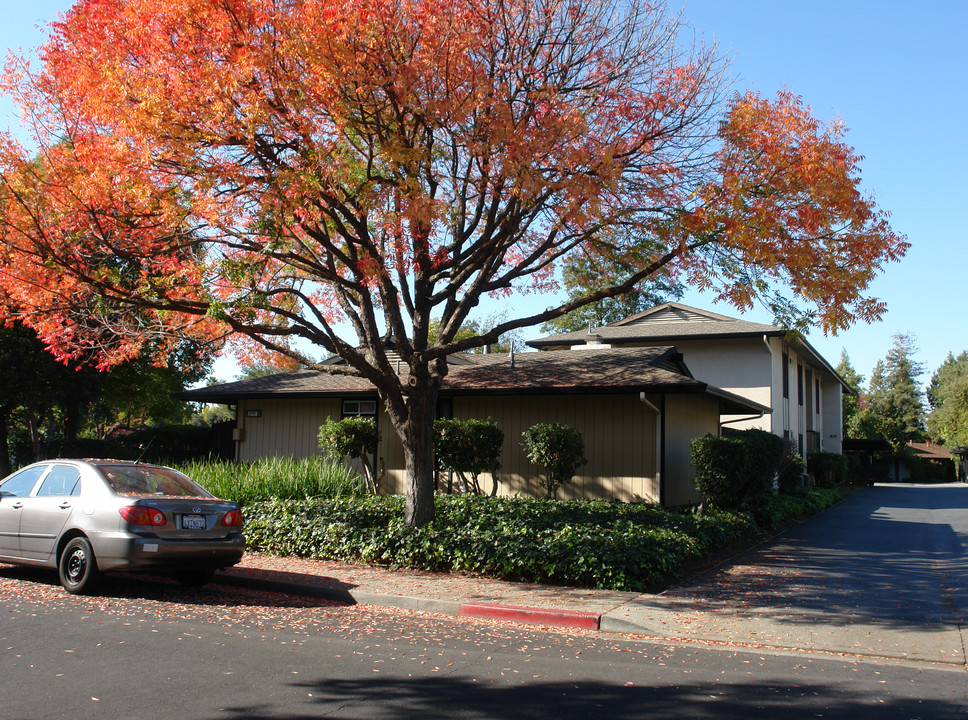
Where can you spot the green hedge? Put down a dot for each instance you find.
(828, 469)
(169, 444)
(577, 542)
(740, 466)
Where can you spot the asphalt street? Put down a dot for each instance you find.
(140, 654)
(857, 613)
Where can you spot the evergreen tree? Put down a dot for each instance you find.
(895, 411)
(948, 398)
(582, 276)
(850, 401)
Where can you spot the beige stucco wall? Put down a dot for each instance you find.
(753, 368)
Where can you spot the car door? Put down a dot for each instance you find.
(13, 491)
(47, 510)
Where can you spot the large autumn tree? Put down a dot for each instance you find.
(281, 170)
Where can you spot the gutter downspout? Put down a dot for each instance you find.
(766, 341)
(743, 419)
(659, 444)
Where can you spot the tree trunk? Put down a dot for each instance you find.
(418, 451)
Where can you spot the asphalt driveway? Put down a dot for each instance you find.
(891, 554)
(884, 573)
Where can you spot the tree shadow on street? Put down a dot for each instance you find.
(442, 697)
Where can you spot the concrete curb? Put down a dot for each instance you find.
(482, 610)
(537, 616)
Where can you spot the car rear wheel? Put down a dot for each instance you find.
(78, 568)
(195, 577)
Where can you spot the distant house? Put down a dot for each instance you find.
(938, 463)
(638, 408)
(764, 363)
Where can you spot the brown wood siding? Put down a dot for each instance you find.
(391, 459)
(619, 433)
(286, 428)
(686, 417)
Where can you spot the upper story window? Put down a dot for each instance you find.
(799, 384)
(786, 375)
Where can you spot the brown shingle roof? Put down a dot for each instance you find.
(652, 369)
(672, 322)
(930, 451)
(638, 328)
(574, 371)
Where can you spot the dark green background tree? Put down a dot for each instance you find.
(948, 398)
(850, 402)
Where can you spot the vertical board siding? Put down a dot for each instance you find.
(686, 417)
(619, 434)
(287, 428)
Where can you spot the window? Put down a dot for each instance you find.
(817, 386)
(23, 482)
(358, 408)
(786, 375)
(445, 408)
(62, 480)
(139, 480)
(800, 384)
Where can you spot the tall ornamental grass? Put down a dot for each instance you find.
(275, 478)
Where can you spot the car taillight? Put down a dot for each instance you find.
(141, 515)
(232, 518)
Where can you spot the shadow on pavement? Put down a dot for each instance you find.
(891, 555)
(452, 697)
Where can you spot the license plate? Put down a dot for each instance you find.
(193, 522)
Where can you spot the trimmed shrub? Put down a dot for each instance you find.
(764, 457)
(791, 468)
(829, 470)
(469, 447)
(170, 444)
(742, 465)
(559, 448)
(353, 437)
(719, 464)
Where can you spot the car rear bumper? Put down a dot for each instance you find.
(132, 552)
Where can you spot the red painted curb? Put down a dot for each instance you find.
(539, 616)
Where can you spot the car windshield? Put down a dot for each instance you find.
(148, 480)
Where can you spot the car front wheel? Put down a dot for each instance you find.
(78, 568)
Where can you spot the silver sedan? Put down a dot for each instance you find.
(85, 517)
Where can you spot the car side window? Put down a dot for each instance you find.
(21, 483)
(62, 480)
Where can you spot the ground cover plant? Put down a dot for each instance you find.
(581, 543)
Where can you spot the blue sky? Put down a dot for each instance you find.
(895, 73)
